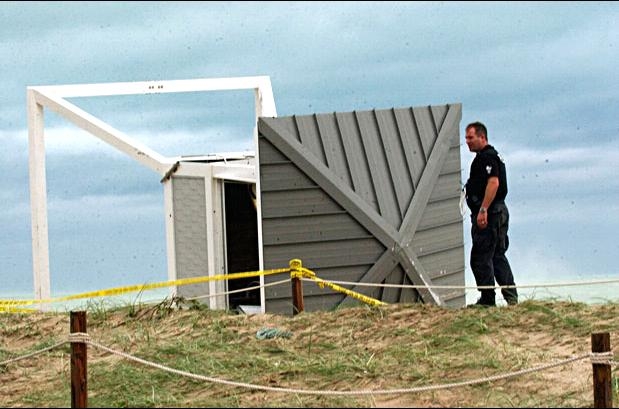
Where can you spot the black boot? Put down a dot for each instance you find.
(486, 299)
(510, 295)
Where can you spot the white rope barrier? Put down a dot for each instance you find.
(483, 287)
(603, 358)
(333, 392)
(35, 353)
(412, 286)
(241, 290)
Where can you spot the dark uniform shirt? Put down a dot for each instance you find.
(487, 163)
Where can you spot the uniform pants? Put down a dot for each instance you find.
(488, 260)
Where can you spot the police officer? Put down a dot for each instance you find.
(485, 196)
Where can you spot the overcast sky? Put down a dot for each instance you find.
(541, 76)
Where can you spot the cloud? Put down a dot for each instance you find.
(535, 265)
(560, 185)
(541, 76)
(543, 259)
(419, 45)
(92, 210)
(72, 142)
(574, 170)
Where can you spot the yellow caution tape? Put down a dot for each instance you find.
(17, 310)
(303, 272)
(6, 304)
(296, 271)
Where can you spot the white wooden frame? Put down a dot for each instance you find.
(53, 97)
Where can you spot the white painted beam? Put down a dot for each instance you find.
(38, 198)
(141, 153)
(215, 255)
(239, 173)
(168, 202)
(264, 101)
(161, 87)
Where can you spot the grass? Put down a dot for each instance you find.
(354, 348)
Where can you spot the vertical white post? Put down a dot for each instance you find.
(214, 256)
(168, 200)
(265, 106)
(38, 197)
(258, 108)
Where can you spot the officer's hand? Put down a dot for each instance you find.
(482, 220)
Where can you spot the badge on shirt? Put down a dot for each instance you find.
(488, 169)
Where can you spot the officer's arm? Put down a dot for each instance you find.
(491, 189)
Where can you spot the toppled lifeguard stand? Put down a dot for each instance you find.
(365, 197)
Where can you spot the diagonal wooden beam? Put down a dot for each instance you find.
(136, 150)
(430, 175)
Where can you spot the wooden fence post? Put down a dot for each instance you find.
(297, 288)
(602, 387)
(79, 377)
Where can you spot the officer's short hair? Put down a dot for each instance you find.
(480, 129)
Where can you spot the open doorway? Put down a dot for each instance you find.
(241, 241)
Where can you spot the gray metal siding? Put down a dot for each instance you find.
(189, 210)
(344, 191)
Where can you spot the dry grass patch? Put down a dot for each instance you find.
(353, 348)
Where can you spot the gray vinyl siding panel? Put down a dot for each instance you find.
(409, 295)
(310, 289)
(335, 190)
(339, 226)
(411, 143)
(379, 171)
(343, 273)
(425, 129)
(188, 198)
(450, 278)
(351, 274)
(356, 158)
(430, 241)
(334, 148)
(301, 202)
(290, 123)
(284, 176)
(439, 263)
(271, 155)
(309, 136)
(401, 294)
(336, 253)
(447, 187)
(452, 161)
(457, 302)
(318, 172)
(452, 296)
(396, 159)
(392, 294)
(440, 212)
(439, 113)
